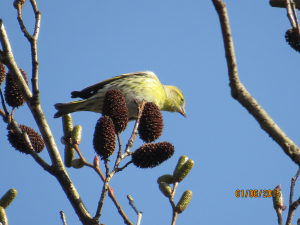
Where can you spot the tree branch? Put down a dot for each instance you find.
(292, 15)
(293, 205)
(110, 190)
(33, 44)
(139, 214)
(59, 170)
(239, 92)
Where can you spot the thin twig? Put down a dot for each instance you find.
(171, 199)
(81, 157)
(130, 141)
(174, 189)
(293, 205)
(292, 15)
(2, 113)
(131, 202)
(63, 217)
(5, 114)
(104, 191)
(295, 15)
(293, 185)
(174, 218)
(33, 44)
(122, 168)
(139, 213)
(292, 210)
(119, 158)
(289, 13)
(240, 93)
(110, 190)
(134, 132)
(3, 103)
(113, 198)
(35, 63)
(279, 216)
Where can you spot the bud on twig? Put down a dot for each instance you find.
(19, 2)
(278, 198)
(96, 161)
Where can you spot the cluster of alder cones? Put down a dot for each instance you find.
(114, 121)
(14, 98)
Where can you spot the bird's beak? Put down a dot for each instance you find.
(182, 111)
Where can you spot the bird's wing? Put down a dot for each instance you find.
(93, 89)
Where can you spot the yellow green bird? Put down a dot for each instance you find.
(134, 86)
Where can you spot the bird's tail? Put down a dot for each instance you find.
(65, 108)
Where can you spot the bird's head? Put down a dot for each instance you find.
(175, 101)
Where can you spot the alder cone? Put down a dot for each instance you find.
(13, 96)
(114, 106)
(292, 38)
(151, 123)
(104, 137)
(152, 155)
(17, 142)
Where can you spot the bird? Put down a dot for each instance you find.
(137, 86)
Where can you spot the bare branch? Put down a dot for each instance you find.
(134, 132)
(58, 168)
(174, 189)
(81, 157)
(174, 218)
(110, 190)
(279, 216)
(5, 113)
(63, 217)
(293, 185)
(33, 44)
(292, 15)
(293, 205)
(119, 157)
(104, 191)
(122, 168)
(239, 92)
(292, 210)
(139, 214)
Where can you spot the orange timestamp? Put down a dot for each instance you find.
(257, 193)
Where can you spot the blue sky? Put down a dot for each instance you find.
(82, 43)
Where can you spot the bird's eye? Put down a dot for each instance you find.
(181, 99)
